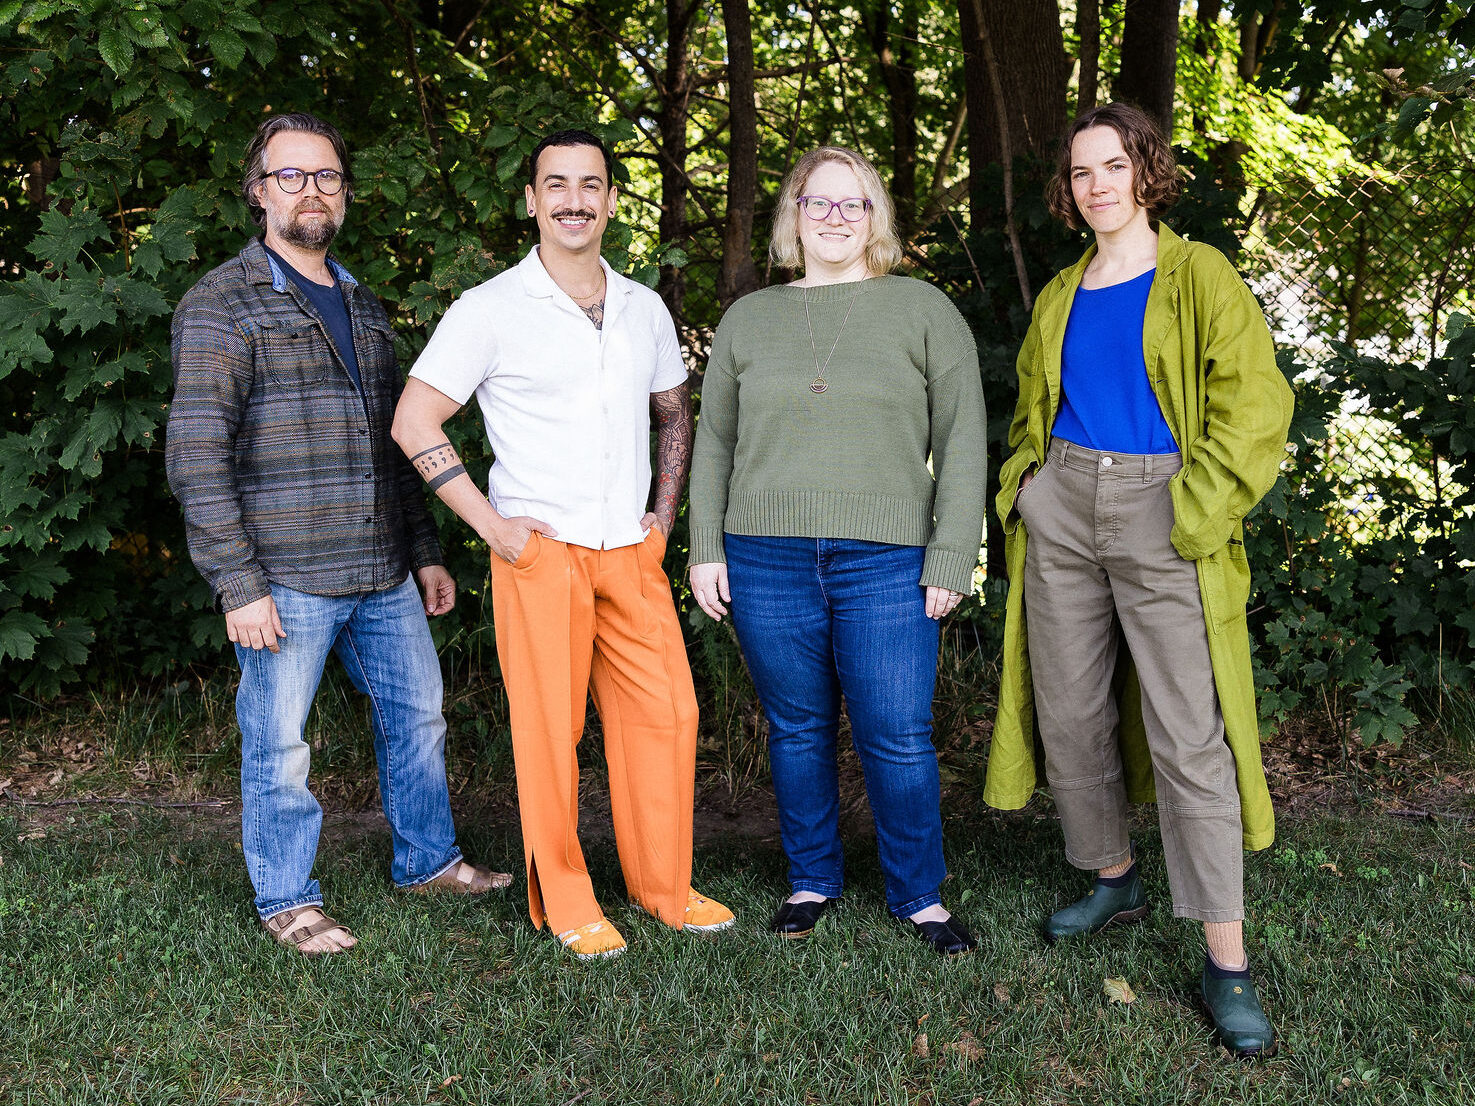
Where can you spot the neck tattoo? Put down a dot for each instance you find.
(819, 384)
(591, 303)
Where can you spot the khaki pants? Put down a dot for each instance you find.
(1099, 571)
(571, 621)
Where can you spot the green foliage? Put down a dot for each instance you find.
(1278, 141)
(1351, 628)
(131, 123)
(123, 131)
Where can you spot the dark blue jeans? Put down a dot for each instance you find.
(818, 619)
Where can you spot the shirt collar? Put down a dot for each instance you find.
(256, 255)
(537, 282)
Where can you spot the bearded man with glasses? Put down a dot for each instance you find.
(312, 530)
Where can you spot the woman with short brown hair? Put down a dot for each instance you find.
(1151, 419)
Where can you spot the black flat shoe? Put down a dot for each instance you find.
(949, 938)
(796, 919)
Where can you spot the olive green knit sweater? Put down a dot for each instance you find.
(774, 458)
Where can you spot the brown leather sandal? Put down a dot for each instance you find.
(280, 926)
(463, 878)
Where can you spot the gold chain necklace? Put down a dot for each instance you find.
(819, 384)
(594, 295)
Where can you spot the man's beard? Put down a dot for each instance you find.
(313, 235)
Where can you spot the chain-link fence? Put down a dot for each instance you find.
(1376, 262)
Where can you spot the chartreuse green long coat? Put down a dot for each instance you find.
(1211, 364)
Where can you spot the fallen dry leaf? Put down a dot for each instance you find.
(1331, 868)
(920, 1048)
(965, 1046)
(448, 1080)
(55, 778)
(1001, 993)
(975, 1102)
(38, 835)
(1116, 989)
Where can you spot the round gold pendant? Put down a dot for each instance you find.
(818, 386)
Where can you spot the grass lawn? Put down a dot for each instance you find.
(132, 970)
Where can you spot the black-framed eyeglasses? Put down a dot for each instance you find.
(292, 181)
(818, 208)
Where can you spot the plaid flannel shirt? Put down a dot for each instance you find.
(286, 472)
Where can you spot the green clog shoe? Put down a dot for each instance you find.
(1239, 1022)
(1102, 906)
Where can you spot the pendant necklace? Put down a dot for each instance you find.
(819, 385)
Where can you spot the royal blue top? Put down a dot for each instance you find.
(1108, 403)
(328, 299)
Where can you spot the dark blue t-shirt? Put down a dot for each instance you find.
(328, 299)
(1108, 403)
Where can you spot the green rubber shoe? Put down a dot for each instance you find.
(1239, 1022)
(1102, 906)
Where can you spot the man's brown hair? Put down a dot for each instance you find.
(299, 121)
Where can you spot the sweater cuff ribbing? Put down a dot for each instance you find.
(947, 568)
(706, 546)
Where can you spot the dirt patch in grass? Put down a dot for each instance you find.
(48, 771)
(1310, 771)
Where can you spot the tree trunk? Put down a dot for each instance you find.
(1149, 66)
(1088, 30)
(739, 274)
(896, 54)
(1206, 17)
(671, 122)
(1035, 75)
(1031, 67)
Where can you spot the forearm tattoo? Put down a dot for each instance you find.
(438, 464)
(672, 409)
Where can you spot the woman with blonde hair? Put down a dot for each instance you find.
(837, 501)
(1151, 419)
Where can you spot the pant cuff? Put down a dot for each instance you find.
(817, 887)
(456, 858)
(293, 904)
(906, 909)
(1104, 862)
(1199, 914)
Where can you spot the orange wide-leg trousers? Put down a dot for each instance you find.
(572, 621)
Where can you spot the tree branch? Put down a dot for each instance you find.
(991, 64)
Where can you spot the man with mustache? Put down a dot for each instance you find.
(567, 359)
(312, 530)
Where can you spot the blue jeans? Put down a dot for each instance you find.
(383, 640)
(818, 619)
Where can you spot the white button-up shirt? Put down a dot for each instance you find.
(566, 406)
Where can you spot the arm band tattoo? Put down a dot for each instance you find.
(438, 464)
(447, 474)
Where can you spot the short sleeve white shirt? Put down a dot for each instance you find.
(566, 406)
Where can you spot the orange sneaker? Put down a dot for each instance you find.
(595, 941)
(704, 915)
